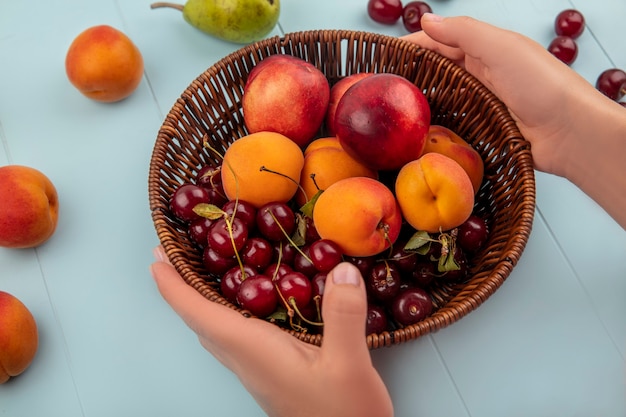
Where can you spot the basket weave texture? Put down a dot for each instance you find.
(210, 109)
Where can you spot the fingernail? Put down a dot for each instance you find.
(159, 254)
(431, 17)
(345, 273)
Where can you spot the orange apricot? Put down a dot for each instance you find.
(262, 167)
(435, 193)
(445, 141)
(325, 165)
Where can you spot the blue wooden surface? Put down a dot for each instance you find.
(550, 342)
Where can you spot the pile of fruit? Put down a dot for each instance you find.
(351, 172)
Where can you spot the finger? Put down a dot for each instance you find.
(344, 310)
(424, 41)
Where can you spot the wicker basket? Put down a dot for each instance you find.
(210, 107)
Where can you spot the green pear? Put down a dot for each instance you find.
(238, 21)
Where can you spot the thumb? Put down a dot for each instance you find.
(344, 310)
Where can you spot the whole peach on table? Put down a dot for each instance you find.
(359, 214)
(288, 95)
(104, 64)
(445, 141)
(325, 164)
(18, 337)
(382, 121)
(30, 207)
(261, 168)
(434, 193)
(336, 92)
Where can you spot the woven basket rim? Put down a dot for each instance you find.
(473, 294)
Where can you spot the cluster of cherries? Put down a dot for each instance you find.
(271, 262)
(568, 26)
(388, 12)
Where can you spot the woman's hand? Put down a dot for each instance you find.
(287, 377)
(575, 131)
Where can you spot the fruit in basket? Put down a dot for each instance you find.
(325, 165)
(435, 193)
(30, 207)
(445, 141)
(411, 305)
(104, 64)
(288, 95)
(360, 214)
(18, 337)
(238, 21)
(382, 121)
(262, 167)
(336, 92)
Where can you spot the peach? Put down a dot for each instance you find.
(18, 337)
(287, 95)
(382, 121)
(261, 168)
(104, 64)
(30, 207)
(359, 214)
(445, 141)
(325, 165)
(336, 92)
(435, 193)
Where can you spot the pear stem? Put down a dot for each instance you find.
(166, 4)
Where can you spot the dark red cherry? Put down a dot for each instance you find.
(570, 23)
(364, 264)
(276, 221)
(215, 263)
(383, 281)
(275, 270)
(185, 198)
(258, 295)
(318, 283)
(325, 254)
(411, 305)
(424, 273)
(377, 321)
(294, 288)
(210, 176)
(227, 240)
(564, 48)
(302, 262)
(257, 252)
(243, 210)
(412, 15)
(198, 230)
(384, 11)
(612, 83)
(232, 279)
(472, 234)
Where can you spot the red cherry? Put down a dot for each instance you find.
(564, 48)
(411, 305)
(412, 15)
(258, 295)
(570, 23)
(612, 83)
(294, 288)
(384, 11)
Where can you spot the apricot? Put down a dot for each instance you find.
(104, 64)
(359, 214)
(30, 207)
(18, 337)
(434, 193)
(325, 162)
(261, 168)
(445, 141)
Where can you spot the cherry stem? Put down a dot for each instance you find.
(289, 237)
(300, 188)
(293, 304)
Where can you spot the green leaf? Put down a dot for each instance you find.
(307, 208)
(299, 235)
(419, 242)
(208, 211)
